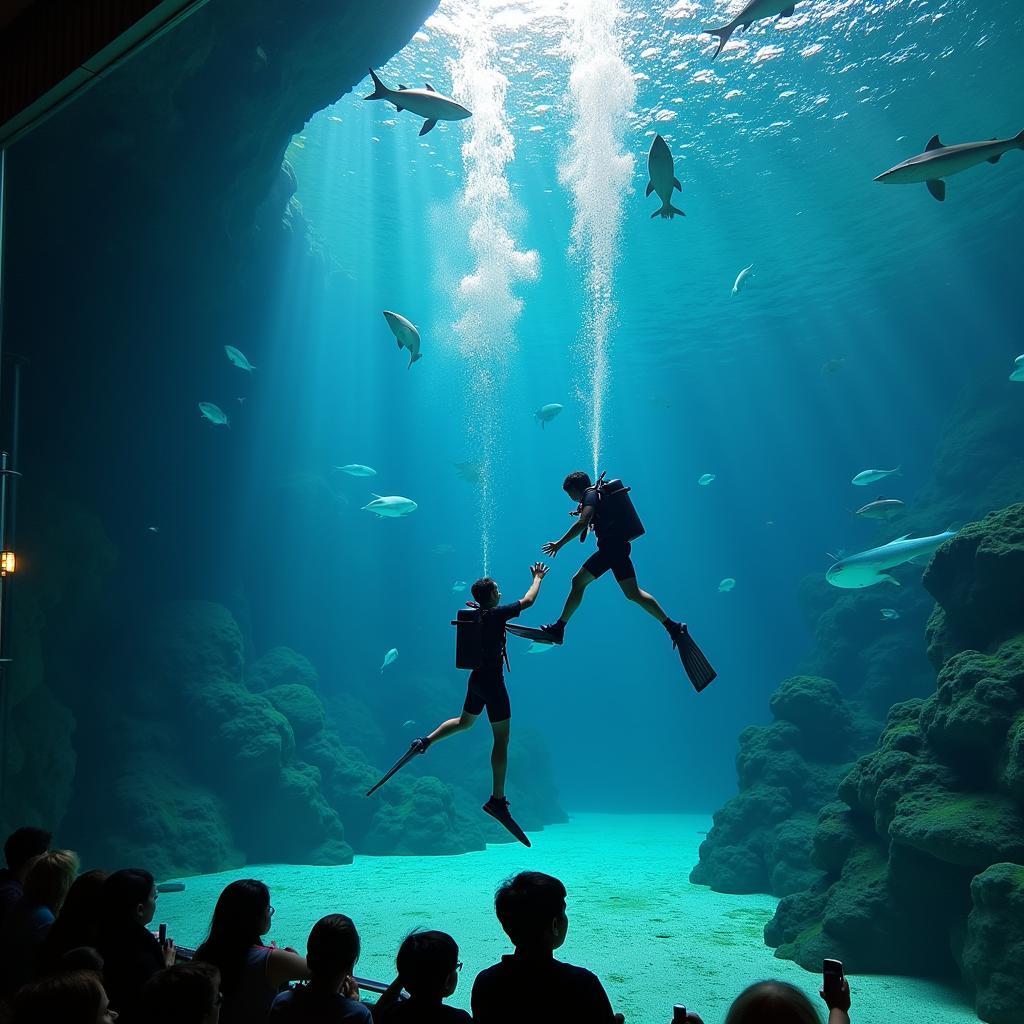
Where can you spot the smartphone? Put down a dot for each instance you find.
(678, 1014)
(832, 975)
(163, 936)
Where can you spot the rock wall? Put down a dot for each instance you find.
(923, 854)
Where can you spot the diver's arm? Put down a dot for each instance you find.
(539, 570)
(554, 546)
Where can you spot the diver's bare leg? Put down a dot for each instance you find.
(499, 756)
(580, 582)
(633, 593)
(452, 726)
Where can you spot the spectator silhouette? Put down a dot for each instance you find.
(22, 847)
(131, 953)
(76, 997)
(331, 997)
(78, 923)
(27, 923)
(530, 984)
(428, 969)
(183, 994)
(778, 1002)
(251, 974)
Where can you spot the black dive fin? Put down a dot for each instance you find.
(937, 187)
(396, 767)
(650, 188)
(529, 633)
(428, 125)
(934, 143)
(696, 666)
(501, 815)
(675, 184)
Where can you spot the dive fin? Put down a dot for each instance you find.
(788, 12)
(430, 87)
(650, 188)
(697, 667)
(414, 749)
(934, 143)
(675, 184)
(538, 636)
(428, 125)
(723, 34)
(380, 90)
(937, 187)
(498, 810)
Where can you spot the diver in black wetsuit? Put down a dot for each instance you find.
(605, 508)
(486, 689)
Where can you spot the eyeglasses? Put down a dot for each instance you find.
(458, 966)
(271, 911)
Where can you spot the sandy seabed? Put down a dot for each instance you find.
(634, 919)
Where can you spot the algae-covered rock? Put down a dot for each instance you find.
(300, 705)
(280, 666)
(994, 946)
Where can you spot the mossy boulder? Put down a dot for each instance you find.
(816, 707)
(994, 946)
(300, 706)
(280, 666)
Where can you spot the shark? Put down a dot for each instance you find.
(391, 506)
(939, 161)
(356, 469)
(405, 334)
(753, 10)
(660, 166)
(866, 568)
(428, 103)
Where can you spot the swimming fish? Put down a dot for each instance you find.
(866, 568)
(880, 508)
(536, 648)
(663, 180)
(1018, 373)
(870, 476)
(546, 413)
(890, 613)
(214, 413)
(741, 279)
(726, 585)
(428, 103)
(393, 506)
(471, 472)
(833, 366)
(408, 722)
(153, 529)
(355, 469)
(706, 479)
(755, 10)
(939, 161)
(459, 587)
(238, 359)
(389, 658)
(405, 334)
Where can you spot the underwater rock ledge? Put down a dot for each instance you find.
(923, 857)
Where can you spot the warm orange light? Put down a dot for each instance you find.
(8, 562)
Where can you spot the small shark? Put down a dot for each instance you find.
(392, 506)
(214, 413)
(866, 568)
(389, 658)
(546, 413)
(890, 614)
(870, 476)
(405, 334)
(939, 161)
(238, 359)
(741, 279)
(663, 179)
(428, 103)
(356, 469)
(754, 10)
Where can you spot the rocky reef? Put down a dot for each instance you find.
(922, 853)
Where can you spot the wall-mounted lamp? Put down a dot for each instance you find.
(8, 562)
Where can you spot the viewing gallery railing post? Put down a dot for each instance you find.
(4, 700)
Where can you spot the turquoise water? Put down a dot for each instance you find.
(653, 939)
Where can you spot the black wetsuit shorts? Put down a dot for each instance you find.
(487, 690)
(614, 557)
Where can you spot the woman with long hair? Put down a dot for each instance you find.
(78, 922)
(76, 997)
(251, 974)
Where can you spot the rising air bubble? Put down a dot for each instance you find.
(598, 170)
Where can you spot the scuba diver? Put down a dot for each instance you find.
(606, 508)
(480, 647)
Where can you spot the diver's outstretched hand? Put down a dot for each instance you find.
(538, 570)
(550, 549)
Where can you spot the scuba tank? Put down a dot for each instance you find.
(619, 517)
(469, 637)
